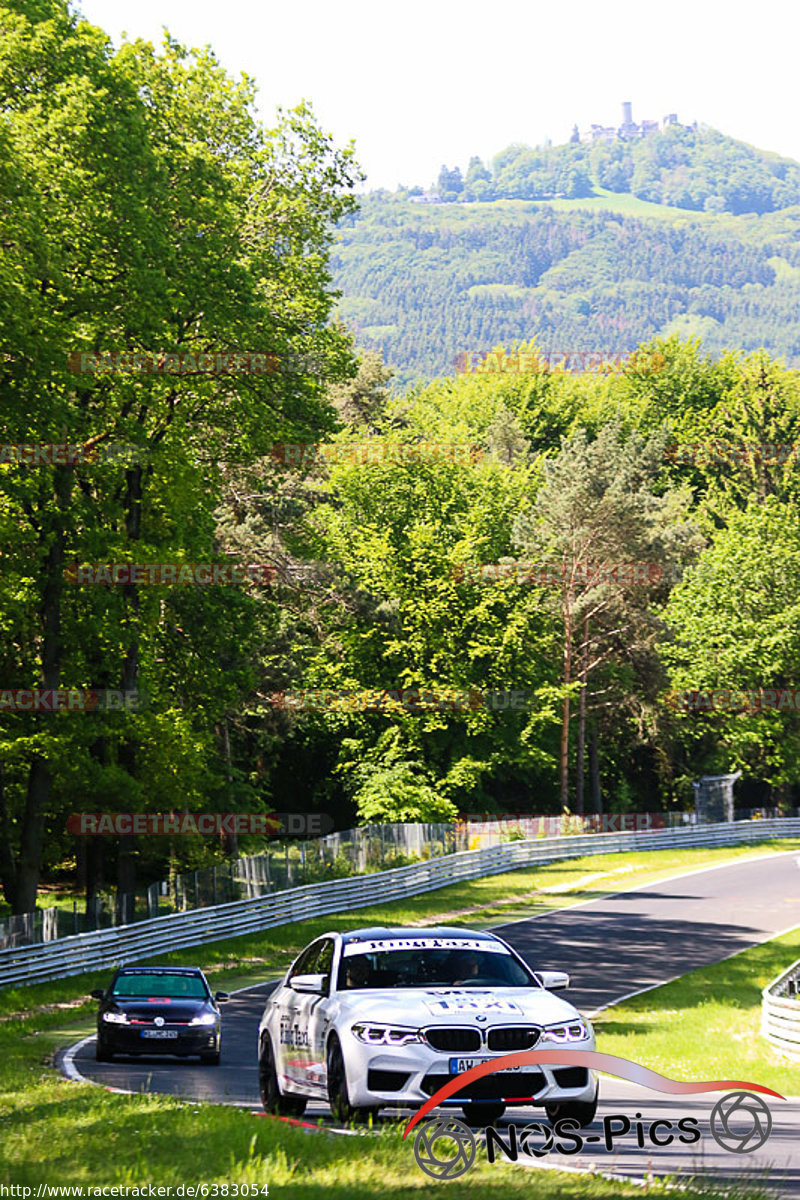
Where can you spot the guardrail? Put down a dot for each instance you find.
(780, 1012)
(145, 939)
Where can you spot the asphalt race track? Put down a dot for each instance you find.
(611, 947)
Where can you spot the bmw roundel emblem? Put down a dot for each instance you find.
(481, 1017)
(158, 1021)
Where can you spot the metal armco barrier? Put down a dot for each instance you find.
(780, 1012)
(131, 943)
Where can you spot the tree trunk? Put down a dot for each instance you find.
(28, 864)
(230, 841)
(594, 768)
(127, 853)
(95, 868)
(564, 758)
(581, 743)
(8, 869)
(29, 860)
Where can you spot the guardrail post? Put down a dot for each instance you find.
(780, 1013)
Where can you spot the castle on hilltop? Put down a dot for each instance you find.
(629, 128)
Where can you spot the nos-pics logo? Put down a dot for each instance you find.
(446, 1148)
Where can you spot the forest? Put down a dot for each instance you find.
(424, 284)
(536, 577)
(684, 167)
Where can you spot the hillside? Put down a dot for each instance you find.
(424, 282)
(694, 168)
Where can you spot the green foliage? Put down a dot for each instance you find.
(426, 283)
(400, 792)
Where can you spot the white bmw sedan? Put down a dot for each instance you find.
(379, 1017)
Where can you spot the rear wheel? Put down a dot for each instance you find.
(271, 1096)
(582, 1111)
(483, 1114)
(338, 1095)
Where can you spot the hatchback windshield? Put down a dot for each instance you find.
(420, 967)
(172, 987)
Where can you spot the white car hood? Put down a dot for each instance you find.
(419, 1007)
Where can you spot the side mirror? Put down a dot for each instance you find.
(221, 997)
(307, 983)
(554, 981)
(97, 993)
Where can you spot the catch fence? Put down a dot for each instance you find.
(147, 939)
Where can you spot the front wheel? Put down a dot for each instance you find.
(101, 1052)
(210, 1060)
(483, 1114)
(271, 1096)
(338, 1095)
(582, 1111)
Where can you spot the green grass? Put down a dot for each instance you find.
(55, 1131)
(706, 1024)
(623, 202)
(601, 201)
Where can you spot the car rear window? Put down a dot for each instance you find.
(173, 987)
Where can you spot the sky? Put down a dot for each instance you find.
(425, 82)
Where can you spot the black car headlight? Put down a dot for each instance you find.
(116, 1018)
(385, 1035)
(204, 1019)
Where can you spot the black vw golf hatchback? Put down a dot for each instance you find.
(159, 1010)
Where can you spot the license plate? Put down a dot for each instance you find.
(457, 1065)
(159, 1033)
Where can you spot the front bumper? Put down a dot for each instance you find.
(180, 1039)
(411, 1075)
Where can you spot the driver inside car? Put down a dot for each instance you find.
(465, 966)
(356, 972)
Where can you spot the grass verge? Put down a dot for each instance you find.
(706, 1025)
(53, 1131)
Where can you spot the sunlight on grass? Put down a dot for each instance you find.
(706, 1025)
(56, 1131)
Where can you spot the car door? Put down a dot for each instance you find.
(315, 1016)
(292, 1014)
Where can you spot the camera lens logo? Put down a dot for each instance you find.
(741, 1122)
(527, 1138)
(458, 1152)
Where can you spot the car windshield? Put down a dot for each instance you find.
(422, 967)
(160, 987)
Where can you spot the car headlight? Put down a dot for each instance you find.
(204, 1019)
(385, 1035)
(572, 1031)
(116, 1018)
